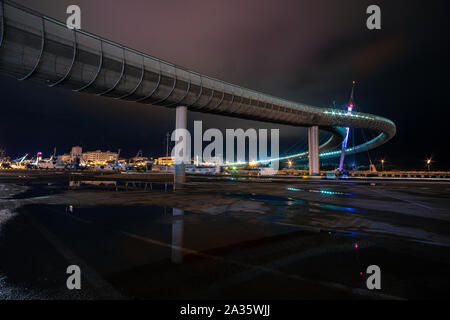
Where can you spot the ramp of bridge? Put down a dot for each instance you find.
(40, 49)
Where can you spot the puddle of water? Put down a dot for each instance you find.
(104, 232)
(132, 243)
(39, 190)
(134, 246)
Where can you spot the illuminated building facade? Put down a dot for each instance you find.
(99, 156)
(165, 161)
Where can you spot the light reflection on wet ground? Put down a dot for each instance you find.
(119, 185)
(291, 243)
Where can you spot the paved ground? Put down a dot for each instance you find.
(223, 238)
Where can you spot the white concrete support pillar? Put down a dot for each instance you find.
(313, 148)
(180, 168)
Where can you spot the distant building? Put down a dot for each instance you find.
(165, 161)
(77, 151)
(99, 156)
(65, 158)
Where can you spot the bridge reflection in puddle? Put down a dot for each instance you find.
(222, 249)
(119, 185)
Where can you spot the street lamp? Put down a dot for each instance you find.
(382, 165)
(290, 164)
(428, 164)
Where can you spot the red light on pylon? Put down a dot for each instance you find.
(354, 82)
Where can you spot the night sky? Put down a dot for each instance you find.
(305, 51)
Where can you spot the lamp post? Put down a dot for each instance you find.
(290, 164)
(428, 164)
(382, 165)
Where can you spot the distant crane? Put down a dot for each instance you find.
(350, 106)
(118, 155)
(20, 160)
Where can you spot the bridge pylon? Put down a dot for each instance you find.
(180, 168)
(313, 150)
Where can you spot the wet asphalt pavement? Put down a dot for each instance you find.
(224, 239)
